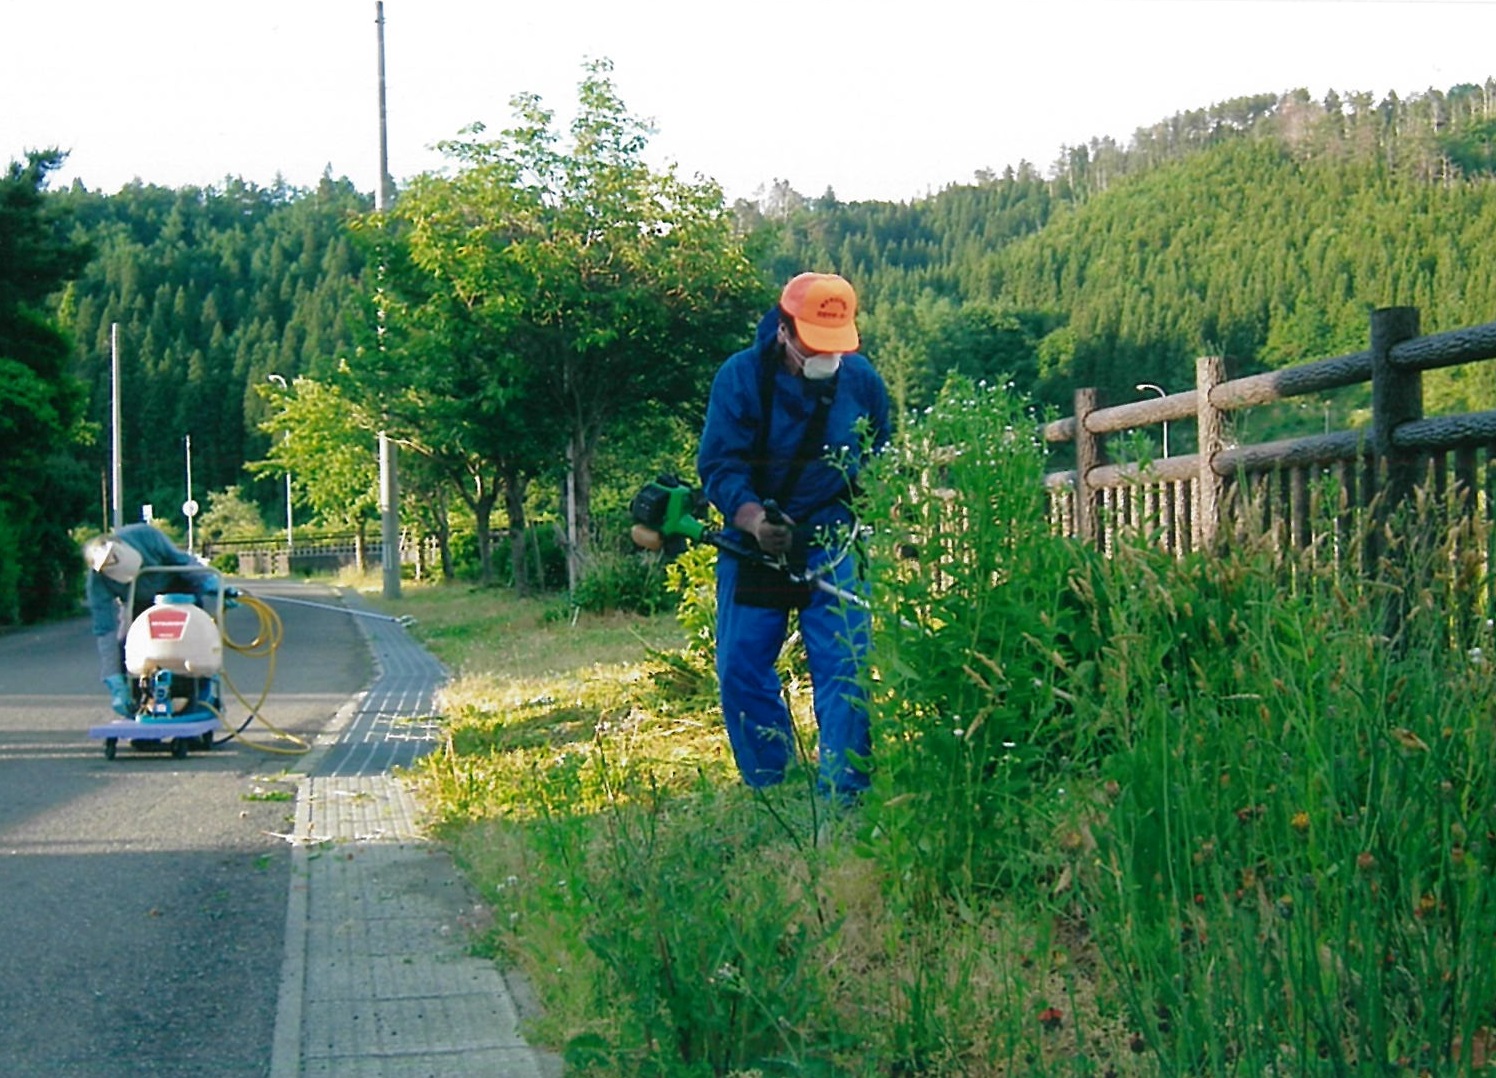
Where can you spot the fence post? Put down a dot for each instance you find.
(1210, 371)
(1089, 453)
(1396, 398)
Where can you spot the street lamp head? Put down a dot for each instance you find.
(1149, 387)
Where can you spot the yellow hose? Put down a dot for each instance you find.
(266, 644)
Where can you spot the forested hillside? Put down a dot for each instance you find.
(1264, 228)
(213, 290)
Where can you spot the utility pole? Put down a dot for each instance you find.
(385, 192)
(389, 482)
(117, 441)
(280, 380)
(389, 516)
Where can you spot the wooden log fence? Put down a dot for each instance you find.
(1196, 501)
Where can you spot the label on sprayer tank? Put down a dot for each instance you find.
(175, 636)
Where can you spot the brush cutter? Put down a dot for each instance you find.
(663, 520)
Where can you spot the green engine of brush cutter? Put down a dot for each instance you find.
(667, 507)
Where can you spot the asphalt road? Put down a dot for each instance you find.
(143, 900)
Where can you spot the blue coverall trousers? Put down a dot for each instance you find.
(749, 639)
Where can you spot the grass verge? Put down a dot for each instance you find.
(1131, 815)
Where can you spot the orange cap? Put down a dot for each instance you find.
(824, 309)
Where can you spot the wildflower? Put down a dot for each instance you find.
(1409, 740)
(1365, 861)
(1300, 821)
(1476, 657)
(1051, 1017)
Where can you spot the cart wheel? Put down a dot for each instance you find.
(110, 743)
(206, 740)
(179, 747)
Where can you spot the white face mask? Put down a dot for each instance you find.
(822, 365)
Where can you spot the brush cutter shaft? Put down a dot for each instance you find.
(740, 550)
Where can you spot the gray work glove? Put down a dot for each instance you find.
(119, 695)
(774, 536)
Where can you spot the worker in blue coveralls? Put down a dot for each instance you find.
(115, 561)
(789, 422)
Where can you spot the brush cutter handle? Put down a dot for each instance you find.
(773, 531)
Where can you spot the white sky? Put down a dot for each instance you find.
(878, 99)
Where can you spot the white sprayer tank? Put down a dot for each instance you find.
(176, 635)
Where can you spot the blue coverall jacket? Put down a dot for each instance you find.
(749, 638)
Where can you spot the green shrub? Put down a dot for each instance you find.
(633, 583)
(545, 557)
(464, 549)
(225, 563)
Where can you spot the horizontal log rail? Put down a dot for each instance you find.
(1450, 349)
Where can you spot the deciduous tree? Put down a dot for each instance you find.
(572, 288)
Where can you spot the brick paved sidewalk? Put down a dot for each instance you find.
(377, 981)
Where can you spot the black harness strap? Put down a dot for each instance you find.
(765, 417)
(811, 443)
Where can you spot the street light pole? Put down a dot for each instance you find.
(1149, 387)
(189, 507)
(286, 437)
(116, 467)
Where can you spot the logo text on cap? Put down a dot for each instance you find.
(832, 309)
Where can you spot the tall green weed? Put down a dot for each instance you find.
(1288, 866)
(976, 636)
